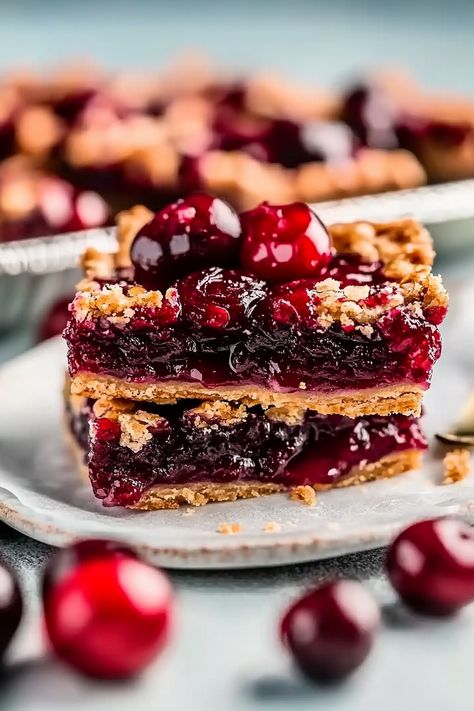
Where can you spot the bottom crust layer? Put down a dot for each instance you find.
(199, 494)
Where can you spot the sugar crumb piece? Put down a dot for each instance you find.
(305, 494)
(271, 527)
(457, 466)
(188, 512)
(229, 529)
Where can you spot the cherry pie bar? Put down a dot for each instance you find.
(266, 308)
(217, 355)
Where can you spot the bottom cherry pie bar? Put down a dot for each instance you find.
(147, 456)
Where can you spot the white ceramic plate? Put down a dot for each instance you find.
(42, 495)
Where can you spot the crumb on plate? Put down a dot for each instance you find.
(305, 494)
(457, 465)
(271, 527)
(229, 528)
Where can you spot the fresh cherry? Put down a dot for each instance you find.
(11, 606)
(330, 631)
(107, 613)
(372, 115)
(196, 232)
(55, 320)
(219, 298)
(431, 566)
(284, 242)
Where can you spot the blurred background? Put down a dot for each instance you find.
(319, 49)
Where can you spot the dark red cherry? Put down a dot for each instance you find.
(292, 144)
(107, 615)
(372, 115)
(11, 606)
(196, 232)
(55, 319)
(431, 566)
(219, 298)
(284, 242)
(330, 631)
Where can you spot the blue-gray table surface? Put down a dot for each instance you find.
(225, 653)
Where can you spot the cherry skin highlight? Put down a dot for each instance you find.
(284, 242)
(11, 606)
(431, 566)
(109, 615)
(196, 232)
(330, 631)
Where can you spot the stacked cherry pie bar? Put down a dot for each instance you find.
(219, 356)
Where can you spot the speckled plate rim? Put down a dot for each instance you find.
(229, 553)
(201, 546)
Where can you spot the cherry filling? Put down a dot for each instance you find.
(186, 446)
(228, 327)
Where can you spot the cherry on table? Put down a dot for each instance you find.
(330, 631)
(431, 566)
(107, 613)
(11, 606)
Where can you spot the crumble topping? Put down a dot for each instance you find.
(129, 223)
(457, 466)
(288, 414)
(229, 529)
(135, 432)
(117, 300)
(96, 265)
(225, 413)
(349, 305)
(105, 407)
(304, 494)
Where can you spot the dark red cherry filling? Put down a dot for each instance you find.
(330, 630)
(188, 446)
(193, 233)
(284, 242)
(219, 299)
(431, 566)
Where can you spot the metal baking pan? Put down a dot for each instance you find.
(35, 272)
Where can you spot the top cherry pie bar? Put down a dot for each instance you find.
(267, 307)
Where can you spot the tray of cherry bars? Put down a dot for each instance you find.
(78, 145)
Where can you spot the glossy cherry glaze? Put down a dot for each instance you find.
(107, 614)
(11, 606)
(193, 233)
(330, 631)
(431, 566)
(284, 242)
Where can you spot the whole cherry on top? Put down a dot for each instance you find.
(276, 243)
